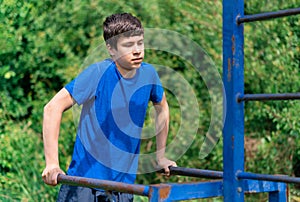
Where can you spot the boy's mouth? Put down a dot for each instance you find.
(137, 60)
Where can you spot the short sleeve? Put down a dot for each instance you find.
(84, 86)
(157, 90)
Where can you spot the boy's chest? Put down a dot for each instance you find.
(122, 96)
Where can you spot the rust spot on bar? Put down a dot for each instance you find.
(228, 70)
(150, 194)
(164, 192)
(233, 44)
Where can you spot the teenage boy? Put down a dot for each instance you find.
(114, 95)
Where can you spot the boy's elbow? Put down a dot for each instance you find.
(50, 108)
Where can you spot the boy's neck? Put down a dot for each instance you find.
(126, 73)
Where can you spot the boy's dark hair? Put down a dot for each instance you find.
(123, 24)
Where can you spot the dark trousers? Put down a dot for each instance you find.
(68, 193)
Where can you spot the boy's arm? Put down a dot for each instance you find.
(51, 124)
(162, 129)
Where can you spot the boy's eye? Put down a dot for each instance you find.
(128, 44)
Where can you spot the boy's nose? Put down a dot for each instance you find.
(136, 49)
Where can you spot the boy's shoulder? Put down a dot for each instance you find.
(98, 67)
(102, 64)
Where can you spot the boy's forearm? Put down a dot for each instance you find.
(51, 123)
(162, 128)
(161, 144)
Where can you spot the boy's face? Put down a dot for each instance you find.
(129, 53)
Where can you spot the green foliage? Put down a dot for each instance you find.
(272, 66)
(44, 44)
(21, 165)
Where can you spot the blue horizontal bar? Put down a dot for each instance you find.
(274, 178)
(104, 184)
(197, 190)
(268, 15)
(261, 97)
(259, 186)
(185, 191)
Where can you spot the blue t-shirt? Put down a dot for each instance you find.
(113, 111)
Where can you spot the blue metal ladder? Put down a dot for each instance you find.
(236, 180)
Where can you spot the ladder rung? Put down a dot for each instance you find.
(274, 178)
(268, 15)
(261, 97)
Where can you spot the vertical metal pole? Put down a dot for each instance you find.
(280, 195)
(233, 78)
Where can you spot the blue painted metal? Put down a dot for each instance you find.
(173, 192)
(268, 15)
(261, 97)
(277, 191)
(104, 184)
(280, 195)
(257, 186)
(233, 78)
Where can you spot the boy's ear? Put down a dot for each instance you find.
(110, 49)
